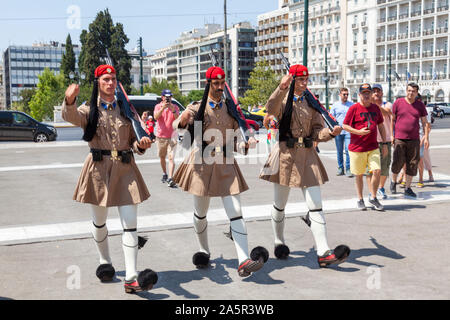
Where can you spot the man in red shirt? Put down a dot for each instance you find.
(166, 138)
(405, 126)
(362, 121)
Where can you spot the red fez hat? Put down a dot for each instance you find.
(215, 73)
(104, 69)
(298, 70)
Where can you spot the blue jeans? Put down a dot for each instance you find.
(342, 141)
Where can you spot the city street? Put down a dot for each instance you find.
(401, 253)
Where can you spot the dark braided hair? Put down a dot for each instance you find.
(91, 127)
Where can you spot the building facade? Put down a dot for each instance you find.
(326, 32)
(23, 65)
(135, 72)
(2, 89)
(414, 36)
(187, 60)
(273, 36)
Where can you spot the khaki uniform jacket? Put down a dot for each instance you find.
(214, 175)
(108, 182)
(296, 167)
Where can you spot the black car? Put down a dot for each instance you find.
(16, 125)
(257, 118)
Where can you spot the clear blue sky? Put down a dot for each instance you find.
(158, 22)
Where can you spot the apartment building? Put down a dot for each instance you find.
(273, 36)
(23, 64)
(187, 60)
(415, 35)
(360, 44)
(2, 89)
(326, 32)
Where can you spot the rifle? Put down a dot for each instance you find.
(232, 104)
(128, 109)
(313, 101)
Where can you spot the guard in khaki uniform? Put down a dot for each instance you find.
(110, 177)
(210, 170)
(294, 163)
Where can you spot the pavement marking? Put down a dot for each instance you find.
(159, 221)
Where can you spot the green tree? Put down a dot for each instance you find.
(102, 34)
(195, 95)
(25, 97)
(68, 60)
(49, 93)
(263, 81)
(158, 86)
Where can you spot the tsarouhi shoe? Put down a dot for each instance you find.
(105, 272)
(259, 256)
(336, 256)
(282, 251)
(144, 282)
(200, 260)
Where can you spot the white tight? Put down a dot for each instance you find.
(128, 219)
(314, 203)
(232, 205)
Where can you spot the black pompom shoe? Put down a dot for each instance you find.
(282, 251)
(200, 260)
(105, 272)
(144, 282)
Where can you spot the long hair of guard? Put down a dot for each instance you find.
(91, 127)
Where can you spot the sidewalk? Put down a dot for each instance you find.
(400, 254)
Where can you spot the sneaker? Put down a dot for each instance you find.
(410, 193)
(382, 193)
(336, 256)
(393, 187)
(376, 204)
(164, 178)
(171, 183)
(340, 172)
(349, 174)
(360, 204)
(420, 185)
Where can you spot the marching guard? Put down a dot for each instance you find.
(110, 177)
(210, 170)
(294, 163)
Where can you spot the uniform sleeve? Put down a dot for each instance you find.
(176, 122)
(77, 116)
(319, 132)
(274, 105)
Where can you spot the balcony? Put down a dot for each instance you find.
(414, 55)
(428, 32)
(441, 52)
(416, 13)
(392, 18)
(381, 39)
(442, 8)
(428, 11)
(403, 16)
(427, 54)
(391, 37)
(414, 34)
(403, 36)
(441, 30)
(382, 20)
(381, 1)
(381, 58)
(402, 56)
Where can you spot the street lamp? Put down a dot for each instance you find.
(76, 76)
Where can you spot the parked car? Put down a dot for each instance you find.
(16, 125)
(148, 102)
(444, 106)
(255, 117)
